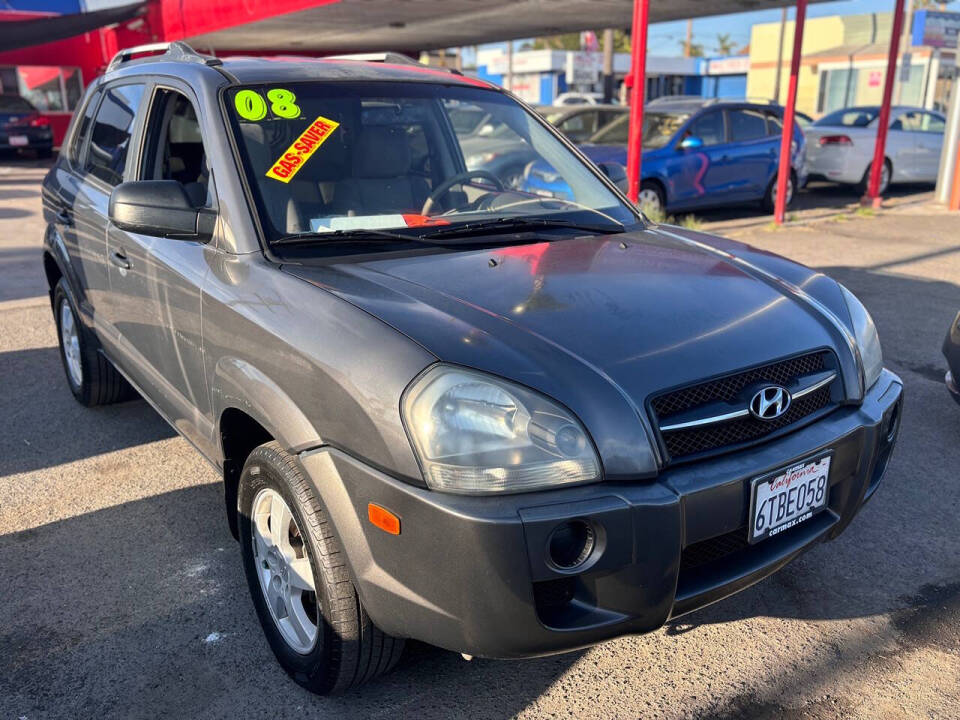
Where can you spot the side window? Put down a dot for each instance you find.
(746, 125)
(708, 127)
(174, 147)
(82, 132)
(933, 124)
(909, 121)
(774, 123)
(110, 139)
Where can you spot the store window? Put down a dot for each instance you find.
(838, 89)
(49, 88)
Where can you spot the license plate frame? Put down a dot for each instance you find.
(18, 140)
(789, 520)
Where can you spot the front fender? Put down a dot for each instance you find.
(238, 384)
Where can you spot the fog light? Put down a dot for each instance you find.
(570, 544)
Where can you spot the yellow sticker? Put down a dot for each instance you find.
(289, 164)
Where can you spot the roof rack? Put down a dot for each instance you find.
(177, 50)
(392, 58)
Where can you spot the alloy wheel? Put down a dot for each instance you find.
(70, 337)
(285, 571)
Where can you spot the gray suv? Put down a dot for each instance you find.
(445, 409)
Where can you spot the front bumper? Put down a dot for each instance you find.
(472, 574)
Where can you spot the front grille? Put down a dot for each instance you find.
(682, 443)
(717, 548)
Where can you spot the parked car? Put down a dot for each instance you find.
(443, 409)
(951, 350)
(697, 153)
(580, 122)
(22, 127)
(578, 98)
(840, 146)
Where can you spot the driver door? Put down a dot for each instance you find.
(156, 282)
(699, 176)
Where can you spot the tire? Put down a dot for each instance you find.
(92, 378)
(769, 201)
(347, 649)
(864, 183)
(651, 197)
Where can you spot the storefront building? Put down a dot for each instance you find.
(844, 63)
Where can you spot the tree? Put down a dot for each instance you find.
(725, 44)
(696, 49)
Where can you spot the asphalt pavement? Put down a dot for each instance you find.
(122, 593)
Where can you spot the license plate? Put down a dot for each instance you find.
(18, 140)
(785, 498)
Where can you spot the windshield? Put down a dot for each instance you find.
(850, 117)
(344, 156)
(658, 129)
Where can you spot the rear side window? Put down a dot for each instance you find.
(83, 129)
(110, 139)
(746, 125)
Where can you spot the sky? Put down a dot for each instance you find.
(667, 38)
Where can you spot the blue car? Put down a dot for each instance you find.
(697, 153)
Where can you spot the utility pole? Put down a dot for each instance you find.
(688, 45)
(509, 83)
(608, 65)
(776, 80)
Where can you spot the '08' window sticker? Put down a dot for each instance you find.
(252, 107)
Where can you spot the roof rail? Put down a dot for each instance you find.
(177, 50)
(392, 58)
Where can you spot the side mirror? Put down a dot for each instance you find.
(616, 172)
(160, 208)
(691, 143)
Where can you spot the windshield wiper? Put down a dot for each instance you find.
(519, 223)
(357, 235)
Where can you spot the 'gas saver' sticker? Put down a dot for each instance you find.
(289, 164)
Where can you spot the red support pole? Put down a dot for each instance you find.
(638, 68)
(954, 203)
(786, 140)
(879, 149)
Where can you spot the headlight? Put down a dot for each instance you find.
(480, 159)
(865, 333)
(476, 434)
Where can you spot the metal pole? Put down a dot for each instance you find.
(688, 44)
(608, 65)
(951, 146)
(638, 68)
(786, 140)
(776, 80)
(879, 149)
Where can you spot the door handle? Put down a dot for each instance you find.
(63, 217)
(120, 260)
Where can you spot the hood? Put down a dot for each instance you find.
(596, 325)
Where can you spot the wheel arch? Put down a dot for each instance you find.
(252, 409)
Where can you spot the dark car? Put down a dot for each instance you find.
(22, 127)
(443, 409)
(580, 122)
(697, 153)
(951, 350)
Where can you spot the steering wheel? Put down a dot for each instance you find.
(444, 187)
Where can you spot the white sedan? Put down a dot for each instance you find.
(840, 146)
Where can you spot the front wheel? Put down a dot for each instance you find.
(651, 201)
(299, 582)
